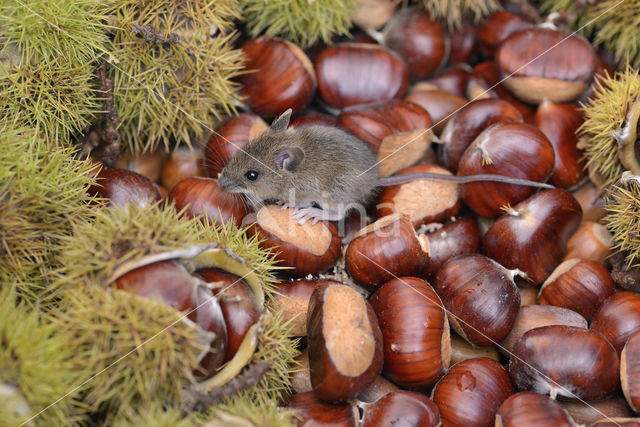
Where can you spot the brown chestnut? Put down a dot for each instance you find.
(526, 409)
(396, 130)
(357, 73)
(237, 302)
(481, 298)
(345, 343)
(471, 393)
(591, 241)
(420, 41)
(559, 122)
(401, 408)
(533, 235)
(544, 63)
(415, 332)
(462, 350)
(283, 78)
(579, 285)
(313, 412)
(386, 249)
(440, 105)
(304, 249)
(630, 371)
(182, 163)
(468, 123)
(423, 201)
(590, 412)
(565, 361)
(497, 28)
(122, 187)
(512, 149)
(618, 318)
(230, 136)
(202, 197)
(535, 316)
(458, 237)
(148, 164)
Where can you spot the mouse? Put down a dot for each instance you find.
(320, 171)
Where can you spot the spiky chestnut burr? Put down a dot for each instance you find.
(611, 125)
(172, 77)
(42, 190)
(304, 22)
(454, 12)
(623, 218)
(48, 53)
(37, 367)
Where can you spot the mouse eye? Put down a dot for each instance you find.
(251, 175)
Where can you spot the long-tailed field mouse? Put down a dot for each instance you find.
(318, 165)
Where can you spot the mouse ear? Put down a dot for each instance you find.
(289, 159)
(282, 121)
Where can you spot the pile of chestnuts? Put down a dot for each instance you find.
(476, 304)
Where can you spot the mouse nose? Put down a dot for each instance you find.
(226, 183)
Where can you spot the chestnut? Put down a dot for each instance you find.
(148, 164)
(591, 201)
(485, 81)
(579, 285)
(346, 74)
(182, 163)
(311, 118)
(311, 411)
(386, 249)
(458, 237)
(630, 371)
(587, 413)
(420, 41)
(293, 299)
(345, 343)
(464, 39)
(462, 350)
(512, 149)
(468, 123)
(526, 409)
(423, 201)
(378, 388)
(239, 306)
(533, 235)
(559, 122)
(565, 361)
(230, 136)
(617, 422)
(481, 298)
(396, 130)
(441, 105)
(303, 249)
(591, 241)
(415, 332)
(471, 393)
(544, 63)
(452, 80)
(373, 14)
(121, 187)
(535, 316)
(284, 77)
(497, 28)
(300, 377)
(170, 282)
(618, 318)
(400, 408)
(202, 197)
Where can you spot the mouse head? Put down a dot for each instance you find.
(266, 166)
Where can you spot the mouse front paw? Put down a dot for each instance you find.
(305, 214)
